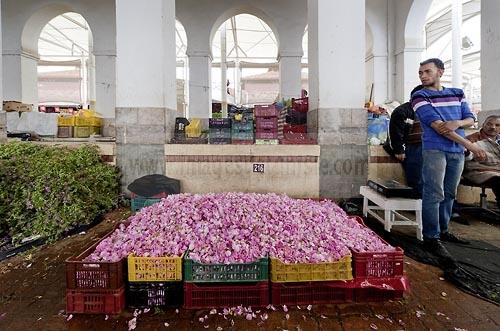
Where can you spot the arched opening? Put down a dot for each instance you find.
(245, 50)
(182, 70)
(438, 43)
(66, 66)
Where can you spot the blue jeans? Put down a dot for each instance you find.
(413, 167)
(440, 176)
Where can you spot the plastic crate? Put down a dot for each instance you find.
(301, 105)
(310, 293)
(219, 123)
(242, 135)
(217, 273)
(65, 120)
(142, 295)
(95, 302)
(298, 139)
(266, 111)
(377, 264)
(219, 133)
(295, 128)
(82, 131)
(154, 269)
(242, 125)
(83, 275)
(267, 134)
(267, 141)
(88, 121)
(137, 204)
(376, 295)
(64, 131)
(306, 272)
(219, 141)
(266, 123)
(216, 295)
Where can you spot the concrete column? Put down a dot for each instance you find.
(3, 115)
(290, 65)
(337, 94)
(105, 90)
(456, 42)
(146, 87)
(20, 76)
(407, 64)
(200, 91)
(377, 73)
(490, 57)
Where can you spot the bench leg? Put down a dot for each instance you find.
(418, 216)
(387, 220)
(365, 206)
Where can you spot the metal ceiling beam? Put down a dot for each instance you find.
(67, 38)
(72, 20)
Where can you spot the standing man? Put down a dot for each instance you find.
(405, 143)
(443, 113)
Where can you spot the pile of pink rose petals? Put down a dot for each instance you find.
(240, 228)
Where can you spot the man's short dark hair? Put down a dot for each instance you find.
(437, 62)
(491, 117)
(415, 89)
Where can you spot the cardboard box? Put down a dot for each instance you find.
(12, 105)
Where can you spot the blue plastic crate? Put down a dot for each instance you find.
(139, 203)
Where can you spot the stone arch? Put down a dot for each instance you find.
(251, 10)
(415, 23)
(23, 43)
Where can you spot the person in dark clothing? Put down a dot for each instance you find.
(405, 143)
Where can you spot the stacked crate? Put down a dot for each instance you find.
(383, 271)
(94, 287)
(219, 131)
(266, 124)
(65, 126)
(311, 283)
(225, 285)
(154, 281)
(87, 123)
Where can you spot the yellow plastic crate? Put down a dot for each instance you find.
(154, 269)
(308, 272)
(66, 121)
(88, 121)
(82, 131)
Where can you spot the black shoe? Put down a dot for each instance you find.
(449, 237)
(434, 246)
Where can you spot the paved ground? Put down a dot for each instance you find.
(32, 289)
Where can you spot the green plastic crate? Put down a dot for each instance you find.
(139, 203)
(225, 273)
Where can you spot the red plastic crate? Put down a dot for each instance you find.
(295, 128)
(301, 105)
(311, 293)
(377, 264)
(266, 111)
(95, 302)
(266, 123)
(94, 275)
(267, 134)
(221, 295)
(376, 295)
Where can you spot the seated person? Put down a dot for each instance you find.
(487, 171)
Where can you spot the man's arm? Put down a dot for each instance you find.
(451, 126)
(479, 154)
(396, 133)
